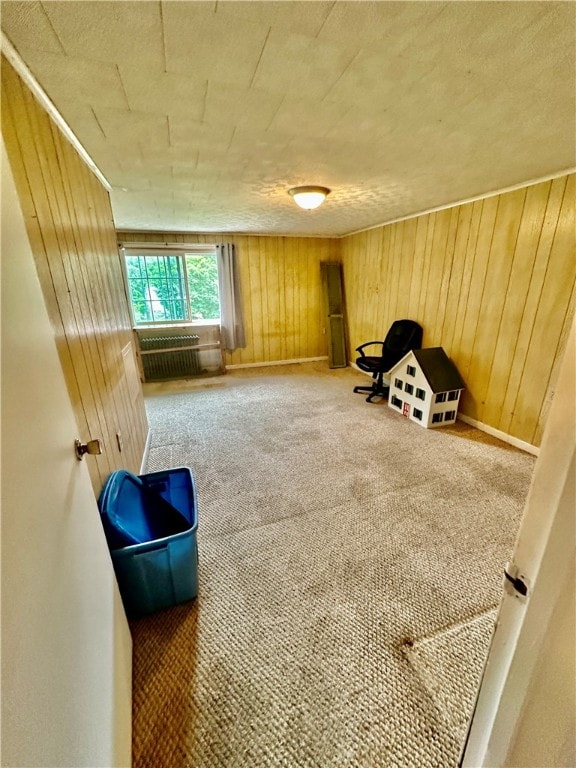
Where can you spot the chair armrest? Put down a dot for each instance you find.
(367, 344)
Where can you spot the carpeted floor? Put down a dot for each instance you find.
(350, 561)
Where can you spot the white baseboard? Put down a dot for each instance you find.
(510, 439)
(276, 362)
(146, 452)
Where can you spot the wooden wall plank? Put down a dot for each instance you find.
(495, 285)
(430, 223)
(549, 320)
(531, 298)
(456, 277)
(507, 356)
(469, 258)
(433, 289)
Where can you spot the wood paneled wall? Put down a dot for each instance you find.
(281, 292)
(70, 226)
(491, 281)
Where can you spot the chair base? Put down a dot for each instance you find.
(376, 390)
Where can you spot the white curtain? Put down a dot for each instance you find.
(231, 320)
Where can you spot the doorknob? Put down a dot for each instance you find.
(92, 447)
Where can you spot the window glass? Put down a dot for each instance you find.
(202, 275)
(417, 414)
(420, 394)
(441, 397)
(453, 395)
(157, 288)
(398, 383)
(173, 287)
(396, 401)
(410, 370)
(449, 415)
(436, 417)
(409, 388)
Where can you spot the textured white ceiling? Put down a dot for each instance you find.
(202, 115)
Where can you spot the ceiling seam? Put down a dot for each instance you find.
(259, 58)
(56, 35)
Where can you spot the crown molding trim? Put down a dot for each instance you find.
(44, 100)
(483, 196)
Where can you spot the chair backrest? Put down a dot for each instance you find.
(403, 336)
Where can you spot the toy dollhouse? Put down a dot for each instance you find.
(425, 386)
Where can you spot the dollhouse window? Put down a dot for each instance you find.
(453, 395)
(398, 383)
(409, 388)
(410, 370)
(441, 397)
(396, 401)
(449, 415)
(417, 414)
(420, 394)
(436, 417)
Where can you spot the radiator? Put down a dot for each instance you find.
(169, 357)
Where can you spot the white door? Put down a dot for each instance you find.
(66, 646)
(525, 710)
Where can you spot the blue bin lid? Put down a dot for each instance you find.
(132, 513)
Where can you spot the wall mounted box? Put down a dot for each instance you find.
(150, 524)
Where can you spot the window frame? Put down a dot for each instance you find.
(164, 250)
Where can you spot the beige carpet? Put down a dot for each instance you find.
(335, 537)
(449, 664)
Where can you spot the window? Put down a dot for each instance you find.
(409, 388)
(449, 415)
(417, 414)
(398, 383)
(420, 394)
(396, 401)
(171, 286)
(410, 370)
(436, 417)
(453, 395)
(441, 397)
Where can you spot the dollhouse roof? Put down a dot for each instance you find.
(440, 372)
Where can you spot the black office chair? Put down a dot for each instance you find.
(403, 336)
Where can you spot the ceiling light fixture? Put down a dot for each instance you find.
(309, 197)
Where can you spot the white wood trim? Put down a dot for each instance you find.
(510, 439)
(42, 97)
(146, 452)
(276, 362)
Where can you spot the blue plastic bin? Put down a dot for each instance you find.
(150, 524)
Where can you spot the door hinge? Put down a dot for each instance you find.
(516, 584)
